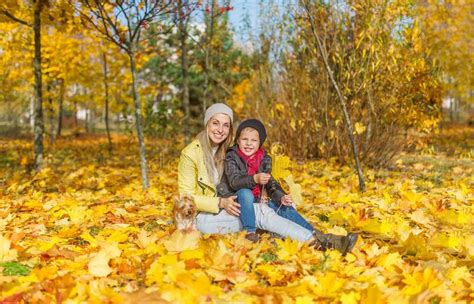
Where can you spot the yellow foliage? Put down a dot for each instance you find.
(238, 98)
(117, 242)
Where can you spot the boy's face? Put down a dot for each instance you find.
(249, 141)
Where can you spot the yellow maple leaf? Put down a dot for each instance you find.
(181, 241)
(338, 230)
(359, 128)
(288, 248)
(388, 260)
(234, 276)
(421, 217)
(89, 238)
(155, 273)
(373, 295)
(459, 273)
(420, 281)
(281, 166)
(295, 190)
(455, 217)
(121, 235)
(143, 240)
(6, 253)
(445, 240)
(304, 300)
(99, 264)
(378, 226)
(270, 272)
(191, 254)
(352, 297)
(328, 284)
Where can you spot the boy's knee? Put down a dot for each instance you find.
(245, 196)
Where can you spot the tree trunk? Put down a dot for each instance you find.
(86, 123)
(76, 123)
(32, 114)
(60, 107)
(106, 85)
(183, 28)
(50, 111)
(91, 121)
(38, 116)
(207, 55)
(138, 123)
(341, 98)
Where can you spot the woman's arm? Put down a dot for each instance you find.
(187, 184)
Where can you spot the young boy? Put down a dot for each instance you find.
(248, 174)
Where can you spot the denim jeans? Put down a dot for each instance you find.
(266, 219)
(220, 223)
(247, 211)
(290, 213)
(282, 222)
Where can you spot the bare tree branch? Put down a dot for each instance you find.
(341, 97)
(12, 17)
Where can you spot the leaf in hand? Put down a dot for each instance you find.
(295, 190)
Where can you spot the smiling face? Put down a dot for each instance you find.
(249, 141)
(218, 128)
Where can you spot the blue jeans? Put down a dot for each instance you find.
(290, 213)
(247, 212)
(266, 219)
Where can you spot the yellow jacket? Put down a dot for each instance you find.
(193, 178)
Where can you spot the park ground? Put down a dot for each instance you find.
(82, 230)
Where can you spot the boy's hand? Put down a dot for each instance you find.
(230, 205)
(262, 178)
(287, 200)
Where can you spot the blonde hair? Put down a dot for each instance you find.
(214, 161)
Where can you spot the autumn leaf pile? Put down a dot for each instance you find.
(82, 230)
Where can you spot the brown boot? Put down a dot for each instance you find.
(252, 236)
(343, 244)
(320, 241)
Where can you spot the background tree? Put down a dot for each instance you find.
(19, 12)
(16, 72)
(445, 28)
(165, 69)
(121, 23)
(390, 86)
(342, 99)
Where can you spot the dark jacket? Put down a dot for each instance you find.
(235, 177)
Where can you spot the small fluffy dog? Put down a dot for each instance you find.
(184, 213)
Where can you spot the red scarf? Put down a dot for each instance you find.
(253, 163)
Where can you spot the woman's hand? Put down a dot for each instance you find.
(230, 205)
(287, 200)
(262, 178)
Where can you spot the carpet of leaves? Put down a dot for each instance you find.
(82, 230)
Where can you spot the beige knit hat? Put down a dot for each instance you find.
(218, 108)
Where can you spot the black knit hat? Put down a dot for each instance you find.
(254, 124)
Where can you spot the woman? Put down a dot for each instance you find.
(200, 168)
